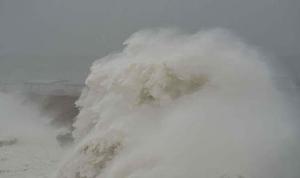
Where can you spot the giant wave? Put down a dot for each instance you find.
(175, 105)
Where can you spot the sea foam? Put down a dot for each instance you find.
(175, 105)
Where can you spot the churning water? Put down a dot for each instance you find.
(174, 105)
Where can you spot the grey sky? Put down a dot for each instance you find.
(58, 39)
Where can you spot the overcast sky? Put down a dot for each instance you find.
(58, 39)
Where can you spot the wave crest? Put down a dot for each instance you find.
(178, 105)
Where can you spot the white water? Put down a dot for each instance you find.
(170, 105)
(35, 154)
(173, 105)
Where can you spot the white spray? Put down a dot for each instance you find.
(172, 105)
(28, 147)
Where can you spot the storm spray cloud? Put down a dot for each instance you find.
(177, 105)
(28, 147)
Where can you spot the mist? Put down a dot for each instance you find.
(28, 147)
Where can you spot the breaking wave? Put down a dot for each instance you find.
(174, 105)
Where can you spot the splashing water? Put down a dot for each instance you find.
(174, 105)
(28, 148)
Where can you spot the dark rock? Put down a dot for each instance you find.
(8, 141)
(64, 138)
